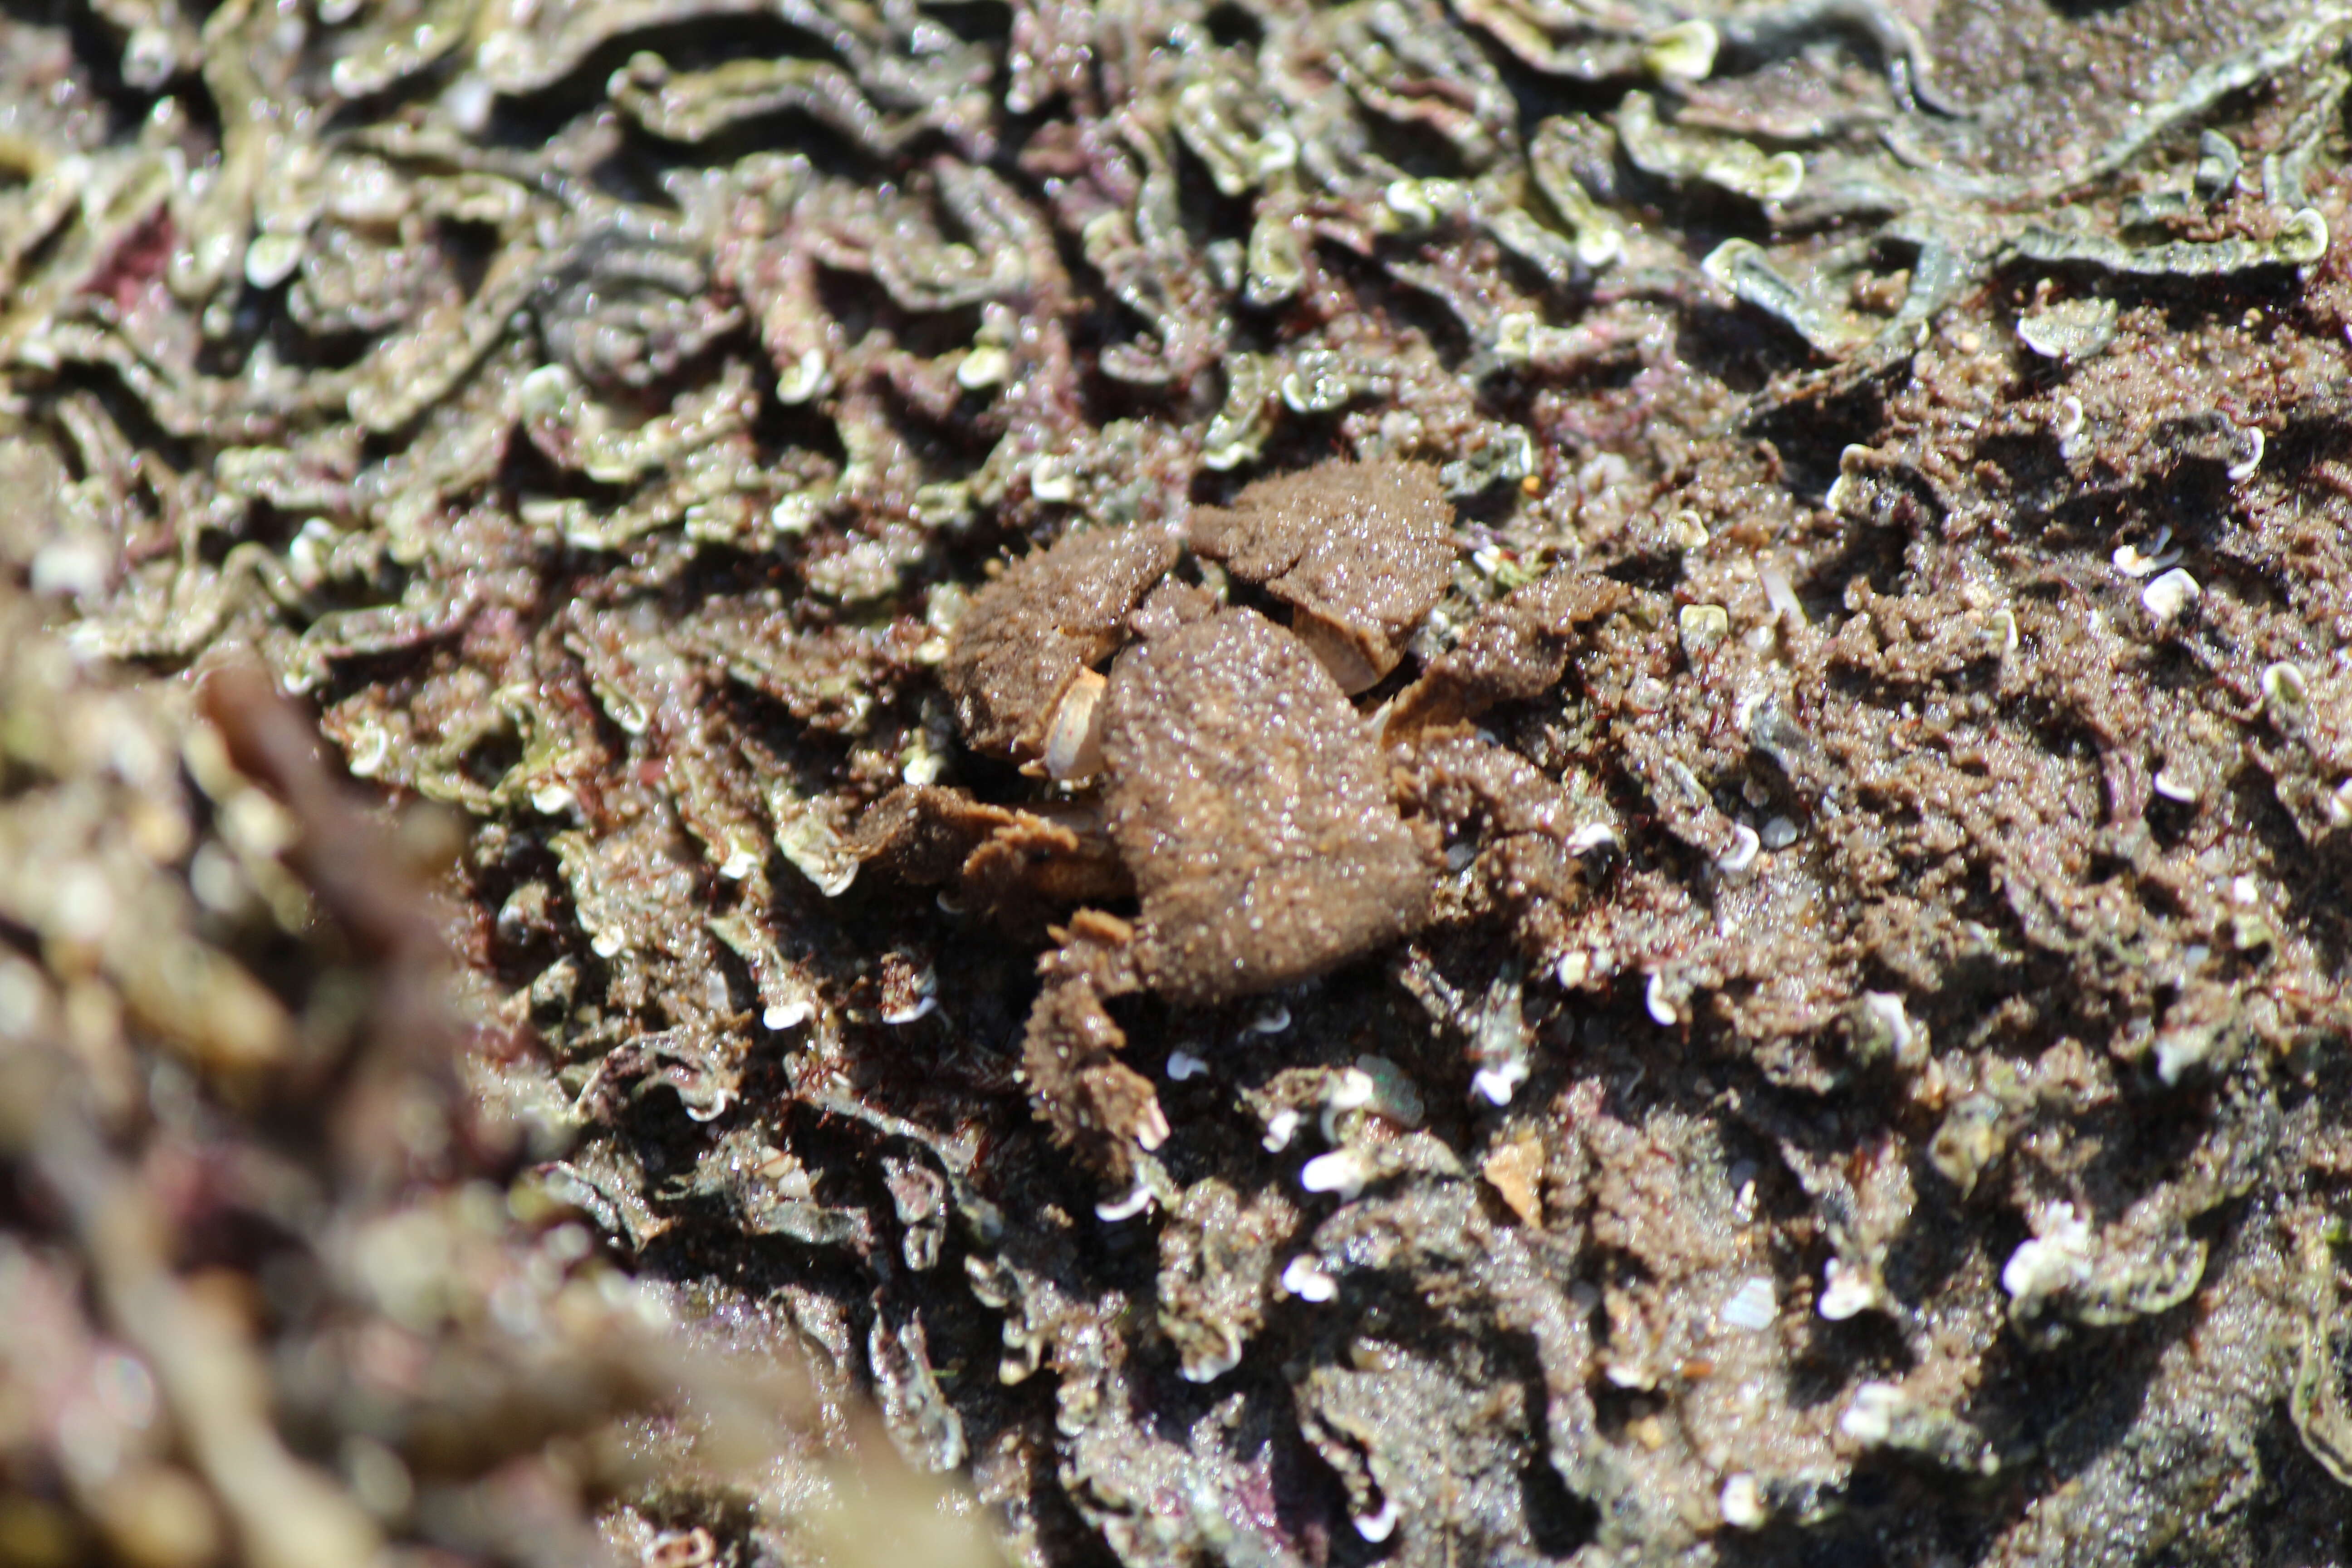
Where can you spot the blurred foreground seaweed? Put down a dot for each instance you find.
(267, 1300)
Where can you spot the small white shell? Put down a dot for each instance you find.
(1305, 1278)
(2133, 561)
(1378, 1527)
(1702, 626)
(1870, 1413)
(2251, 439)
(1495, 1085)
(1742, 1503)
(1683, 53)
(1745, 845)
(1845, 1291)
(1753, 1306)
(2068, 424)
(1342, 1171)
(1661, 1007)
(986, 365)
(1228, 1357)
(2169, 595)
(1280, 1129)
(1885, 1009)
(1594, 836)
(923, 1007)
(804, 378)
(2057, 1257)
(2284, 690)
(1138, 1199)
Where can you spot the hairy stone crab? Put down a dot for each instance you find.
(1210, 763)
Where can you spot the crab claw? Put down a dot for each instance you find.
(1074, 739)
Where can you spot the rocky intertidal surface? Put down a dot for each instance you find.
(1496, 781)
